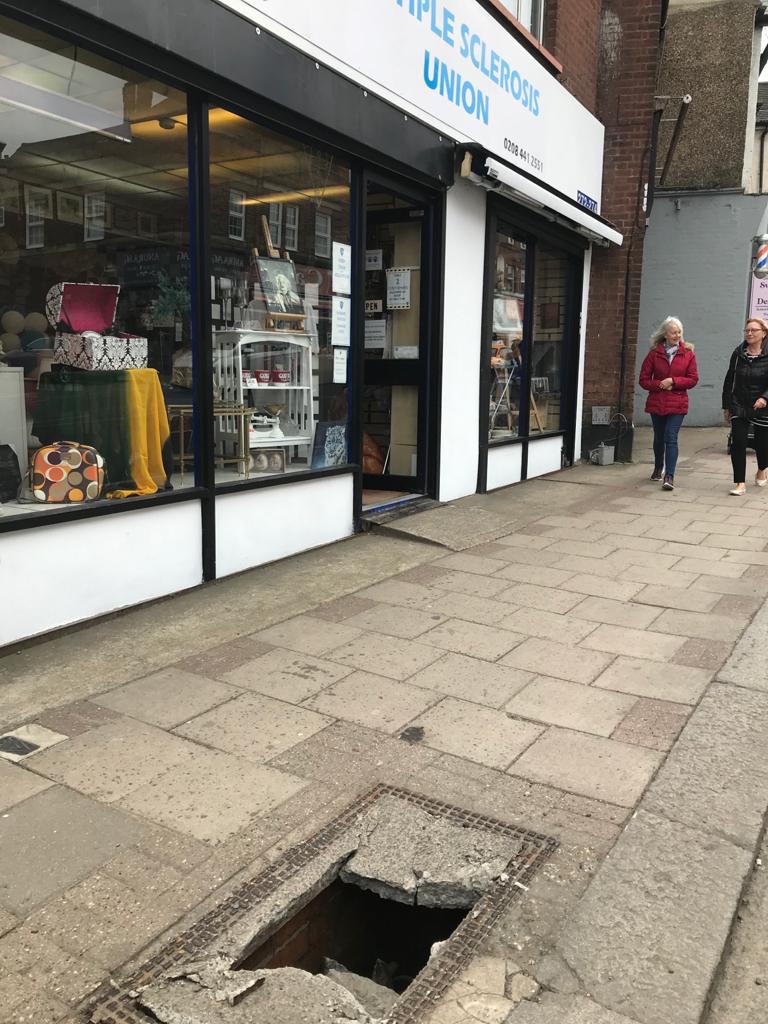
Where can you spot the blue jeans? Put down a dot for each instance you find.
(665, 431)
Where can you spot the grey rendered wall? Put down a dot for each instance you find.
(696, 267)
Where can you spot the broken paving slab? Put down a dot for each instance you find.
(282, 996)
(411, 856)
(647, 937)
(556, 1009)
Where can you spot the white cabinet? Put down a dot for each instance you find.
(13, 416)
(269, 372)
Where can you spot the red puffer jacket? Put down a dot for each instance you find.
(683, 371)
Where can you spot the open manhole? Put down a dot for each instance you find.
(370, 920)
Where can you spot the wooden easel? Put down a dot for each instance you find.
(295, 320)
(514, 345)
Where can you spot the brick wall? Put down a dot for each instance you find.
(613, 48)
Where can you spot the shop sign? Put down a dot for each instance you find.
(453, 65)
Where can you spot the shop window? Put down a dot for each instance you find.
(507, 352)
(532, 291)
(550, 300)
(323, 235)
(95, 349)
(280, 318)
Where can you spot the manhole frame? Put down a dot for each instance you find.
(423, 994)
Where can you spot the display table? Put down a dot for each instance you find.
(121, 413)
(231, 423)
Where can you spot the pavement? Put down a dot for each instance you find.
(583, 655)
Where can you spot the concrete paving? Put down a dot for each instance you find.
(592, 667)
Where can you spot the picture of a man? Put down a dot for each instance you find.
(278, 283)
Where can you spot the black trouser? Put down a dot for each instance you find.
(739, 430)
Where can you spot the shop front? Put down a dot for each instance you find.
(247, 293)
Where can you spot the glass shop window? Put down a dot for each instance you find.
(95, 348)
(531, 296)
(280, 303)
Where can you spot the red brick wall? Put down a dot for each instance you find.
(613, 48)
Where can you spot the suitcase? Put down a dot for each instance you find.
(66, 472)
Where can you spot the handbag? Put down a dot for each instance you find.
(10, 473)
(66, 472)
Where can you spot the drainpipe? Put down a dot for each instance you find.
(685, 103)
(762, 159)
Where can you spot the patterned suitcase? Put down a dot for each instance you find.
(66, 472)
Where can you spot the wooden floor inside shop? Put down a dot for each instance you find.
(374, 499)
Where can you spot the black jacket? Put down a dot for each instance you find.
(745, 382)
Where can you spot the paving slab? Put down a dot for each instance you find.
(393, 658)
(603, 769)
(17, 784)
(559, 1009)
(481, 682)
(479, 734)
(214, 662)
(254, 727)
(373, 701)
(616, 613)
(653, 723)
(571, 705)
(709, 654)
(78, 717)
(545, 657)
(457, 582)
(548, 599)
(705, 626)
(395, 620)
(677, 598)
(748, 664)
(683, 684)
(633, 642)
(212, 795)
(396, 591)
(598, 586)
(52, 840)
(68, 978)
(113, 760)
(716, 778)
(167, 698)
(453, 526)
(307, 634)
(647, 937)
(286, 675)
(472, 638)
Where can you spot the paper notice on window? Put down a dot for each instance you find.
(375, 333)
(340, 365)
(399, 288)
(342, 268)
(374, 259)
(340, 320)
(374, 305)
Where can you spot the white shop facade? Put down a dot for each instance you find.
(273, 274)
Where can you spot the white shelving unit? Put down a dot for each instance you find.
(264, 370)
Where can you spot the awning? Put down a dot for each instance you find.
(498, 177)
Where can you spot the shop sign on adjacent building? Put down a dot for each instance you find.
(758, 298)
(455, 66)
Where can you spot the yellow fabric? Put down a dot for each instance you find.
(149, 430)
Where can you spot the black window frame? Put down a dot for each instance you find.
(502, 215)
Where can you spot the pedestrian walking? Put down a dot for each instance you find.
(745, 403)
(668, 373)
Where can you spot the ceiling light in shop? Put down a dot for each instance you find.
(329, 192)
(59, 107)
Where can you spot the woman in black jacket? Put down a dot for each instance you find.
(745, 402)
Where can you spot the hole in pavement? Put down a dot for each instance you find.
(380, 939)
(371, 918)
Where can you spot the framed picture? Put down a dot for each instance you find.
(330, 444)
(146, 224)
(268, 460)
(278, 283)
(69, 207)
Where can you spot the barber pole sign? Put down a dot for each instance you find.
(758, 297)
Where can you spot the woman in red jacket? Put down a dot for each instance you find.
(668, 373)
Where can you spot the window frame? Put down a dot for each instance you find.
(504, 216)
(236, 214)
(326, 238)
(293, 245)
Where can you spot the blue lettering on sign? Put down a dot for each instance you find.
(453, 84)
(587, 201)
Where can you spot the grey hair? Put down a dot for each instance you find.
(661, 331)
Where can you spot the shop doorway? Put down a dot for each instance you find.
(397, 346)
